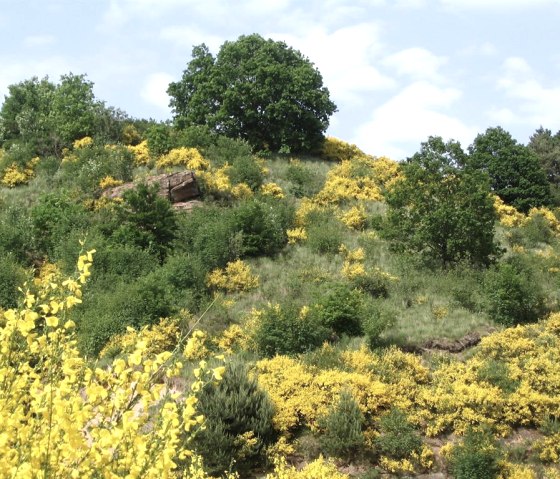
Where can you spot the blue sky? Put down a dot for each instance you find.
(398, 70)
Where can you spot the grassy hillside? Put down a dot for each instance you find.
(345, 356)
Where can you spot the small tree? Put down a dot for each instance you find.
(259, 90)
(442, 209)
(342, 426)
(515, 173)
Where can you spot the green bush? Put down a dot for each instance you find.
(512, 293)
(496, 373)
(398, 438)
(16, 232)
(238, 421)
(263, 223)
(477, 456)
(94, 163)
(302, 180)
(245, 169)
(146, 220)
(340, 309)
(324, 233)
(342, 428)
(281, 330)
(53, 218)
(377, 317)
(109, 312)
(12, 277)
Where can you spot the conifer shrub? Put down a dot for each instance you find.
(398, 438)
(342, 428)
(285, 330)
(513, 294)
(238, 421)
(477, 456)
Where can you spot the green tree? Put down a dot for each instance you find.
(259, 90)
(238, 421)
(442, 208)
(515, 173)
(547, 148)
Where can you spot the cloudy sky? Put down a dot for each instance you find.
(399, 70)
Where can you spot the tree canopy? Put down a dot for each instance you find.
(259, 90)
(442, 208)
(515, 172)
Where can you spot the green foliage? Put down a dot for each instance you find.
(48, 117)
(238, 421)
(16, 232)
(160, 141)
(12, 277)
(398, 438)
(376, 318)
(496, 372)
(245, 169)
(513, 295)
(342, 428)
(442, 209)
(515, 173)
(324, 233)
(90, 165)
(53, 218)
(547, 148)
(109, 311)
(146, 220)
(256, 89)
(303, 183)
(477, 456)
(341, 309)
(281, 330)
(263, 223)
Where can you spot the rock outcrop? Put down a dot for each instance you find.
(178, 188)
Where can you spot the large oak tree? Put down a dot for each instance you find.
(259, 90)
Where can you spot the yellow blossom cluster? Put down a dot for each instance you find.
(15, 175)
(61, 416)
(422, 460)
(82, 143)
(296, 235)
(317, 469)
(183, 156)
(196, 348)
(141, 152)
(353, 265)
(232, 339)
(339, 150)
(109, 182)
(159, 337)
(547, 214)
(236, 276)
(272, 189)
(362, 178)
(355, 218)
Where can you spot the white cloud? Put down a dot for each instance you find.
(345, 59)
(154, 90)
(187, 37)
(533, 102)
(35, 41)
(420, 110)
(417, 63)
(495, 4)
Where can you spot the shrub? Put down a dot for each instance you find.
(246, 169)
(285, 330)
(512, 293)
(263, 224)
(301, 178)
(377, 317)
(238, 421)
(11, 278)
(146, 220)
(324, 233)
(477, 456)
(398, 438)
(342, 428)
(340, 309)
(16, 232)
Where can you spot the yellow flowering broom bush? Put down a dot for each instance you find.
(61, 416)
(236, 276)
